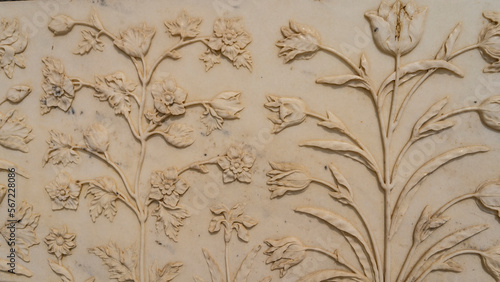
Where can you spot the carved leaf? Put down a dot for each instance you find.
(425, 170)
(27, 222)
(243, 60)
(211, 119)
(411, 70)
(90, 41)
(6, 165)
(103, 190)
(91, 279)
(61, 149)
(210, 58)
(121, 263)
(61, 271)
(360, 255)
(445, 51)
(115, 88)
(165, 274)
(342, 183)
(20, 270)
(422, 128)
(345, 149)
(363, 64)
(213, 267)
(184, 26)
(427, 224)
(169, 220)
(198, 278)
(449, 265)
(347, 80)
(246, 265)
(333, 122)
(14, 133)
(331, 275)
(267, 279)
(179, 135)
(94, 19)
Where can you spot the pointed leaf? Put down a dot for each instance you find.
(19, 270)
(331, 275)
(61, 271)
(213, 267)
(411, 187)
(447, 48)
(333, 122)
(121, 263)
(6, 165)
(246, 265)
(349, 80)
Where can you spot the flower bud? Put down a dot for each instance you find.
(227, 104)
(285, 253)
(489, 111)
(61, 24)
(287, 177)
(291, 111)
(17, 93)
(489, 41)
(96, 138)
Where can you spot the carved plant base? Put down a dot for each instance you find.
(233, 141)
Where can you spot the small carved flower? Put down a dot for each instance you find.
(236, 164)
(231, 219)
(184, 26)
(291, 111)
(61, 24)
(135, 41)
(300, 42)
(60, 242)
(489, 112)
(167, 187)
(229, 37)
(397, 28)
(489, 41)
(96, 138)
(287, 177)
(59, 90)
(285, 253)
(168, 97)
(64, 192)
(12, 42)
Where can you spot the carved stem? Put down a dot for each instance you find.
(193, 165)
(3, 101)
(142, 254)
(422, 80)
(344, 58)
(452, 203)
(447, 257)
(404, 268)
(226, 249)
(400, 158)
(195, 103)
(457, 112)
(336, 257)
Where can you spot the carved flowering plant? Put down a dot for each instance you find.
(397, 29)
(151, 107)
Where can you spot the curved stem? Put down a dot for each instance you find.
(3, 101)
(400, 158)
(194, 164)
(390, 123)
(326, 184)
(452, 203)
(132, 127)
(195, 103)
(100, 31)
(456, 112)
(226, 249)
(447, 257)
(335, 257)
(142, 263)
(422, 80)
(168, 52)
(404, 268)
(344, 58)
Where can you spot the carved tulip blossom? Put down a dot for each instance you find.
(489, 112)
(231, 219)
(12, 42)
(60, 242)
(291, 111)
(136, 41)
(167, 187)
(300, 42)
(58, 88)
(284, 253)
(168, 97)
(489, 41)
(229, 37)
(491, 261)
(64, 192)
(397, 29)
(237, 163)
(287, 177)
(96, 138)
(489, 196)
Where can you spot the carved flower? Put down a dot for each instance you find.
(61, 24)
(59, 90)
(287, 177)
(167, 187)
(60, 242)
(397, 29)
(64, 192)
(14, 133)
(488, 195)
(231, 219)
(291, 111)
(491, 261)
(12, 42)
(229, 37)
(135, 41)
(184, 26)
(285, 253)
(489, 112)
(300, 42)
(237, 163)
(168, 97)
(96, 138)
(17, 93)
(489, 41)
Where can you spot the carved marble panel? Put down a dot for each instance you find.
(232, 140)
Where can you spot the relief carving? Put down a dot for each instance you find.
(149, 108)
(397, 29)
